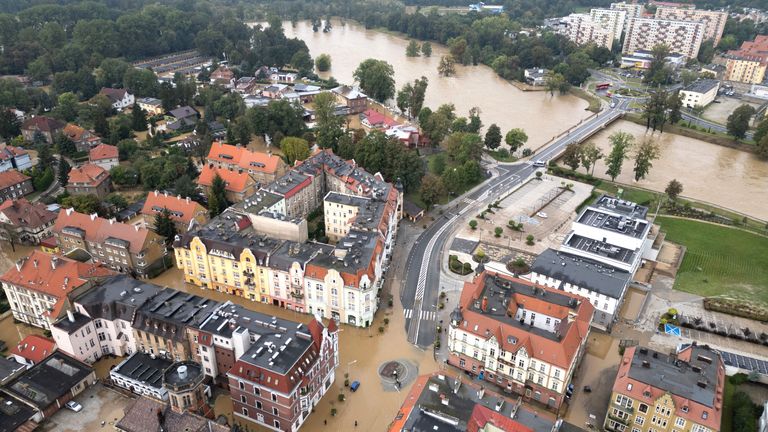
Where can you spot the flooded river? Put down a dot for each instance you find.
(540, 115)
(719, 175)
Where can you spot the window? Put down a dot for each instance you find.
(240, 383)
(274, 397)
(704, 415)
(256, 391)
(643, 408)
(258, 405)
(275, 411)
(277, 424)
(639, 420)
(557, 373)
(243, 399)
(245, 412)
(680, 422)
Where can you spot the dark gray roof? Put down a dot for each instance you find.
(287, 182)
(142, 367)
(539, 421)
(411, 209)
(117, 297)
(142, 416)
(702, 85)
(271, 334)
(635, 228)
(262, 199)
(290, 252)
(13, 413)
(601, 248)
(48, 380)
(131, 211)
(582, 272)
(352, 253)
(9, 368)
(70, 326)
(169, 313)
(678, 377)
(463, 245)
(183, 112)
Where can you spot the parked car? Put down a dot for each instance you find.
(74, 406)
(354, 386)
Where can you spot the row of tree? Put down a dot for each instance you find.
(623, 145)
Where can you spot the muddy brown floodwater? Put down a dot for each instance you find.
(711, 173)
(541, 115)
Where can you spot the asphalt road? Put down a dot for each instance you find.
(422, 280)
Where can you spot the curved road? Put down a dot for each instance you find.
(420, 293)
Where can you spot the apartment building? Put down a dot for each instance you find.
(264, 168)
(238, 183)
(582, 29)
(89, 179)
(185, 213)
(14, 158)
(681, 37)
(104, 155)
(26, 222)
(101, 319)
(612, 20)
(633, 10)
(526, 338)
(142, 375)
(340, 211)
(14, 185)
(283, 372)
(40, 287)
(160, 325)
(123, 247)
(667, 392)
(699, 93)
(748, 63)
(713, 21)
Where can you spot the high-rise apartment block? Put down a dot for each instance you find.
(681, 37)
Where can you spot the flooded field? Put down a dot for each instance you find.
(541, 115)
(719, 175)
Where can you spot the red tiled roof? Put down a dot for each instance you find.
(103, 151)
(244, 158)
(90, 174)
(482, 416)
(113, 94)
(43, 124)
(182, 209)
(99, 229)
(21, 212)
(34, 348)
(376, 118)
(236, 180)
(74, 132)
(12, 177)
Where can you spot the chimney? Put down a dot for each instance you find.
(34, 263)
(54, 261)
(19, 263)
(70, 316)
(481, 392)
(156, 192)
(485, 304)
(69, 211)
(94, 216)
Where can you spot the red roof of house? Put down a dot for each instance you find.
(21, 212)
(103, 151)
(99, 229)
(89, 174)
(43, 124)
(482, 416)
(244, 158)
(182, 209)
(237, 180)
(376, 118)
(34, 348)
(11, 178)
(113, 94)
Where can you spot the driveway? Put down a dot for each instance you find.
(99, 405)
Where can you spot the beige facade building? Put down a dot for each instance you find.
(750, 70)
(713, 21)
(681, 37)
(581, 29)
(612, 20)
(700, 93)
(633, 10)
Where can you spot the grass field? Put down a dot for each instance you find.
(719, 260)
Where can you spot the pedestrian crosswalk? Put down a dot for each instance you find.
(423, 315)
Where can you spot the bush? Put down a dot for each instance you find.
(381, 329)
(530, 240)
(341, 397)
(333, 412)
(386, 321)
(473, 224)
(497, 231)
(527, 152)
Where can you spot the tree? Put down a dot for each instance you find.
(556, 81)
(761, 148)
(323, 62)
(294, 149)
(515, 139)
(185, 187)
(412, 50)
(493, 137)
(436, 125)
(63, 171)
(655, 112)
(590, 154)
(117, 200)
(674, 107)
(621, 142)
(646, 153)
(86, 204)
(376, 78)
(760, 131)
(431, 189)
(572, 156)
(165, 226)
(688, 76)
(410, 99)
(706, 51)
(447, 66)
(464, 146)
(738, 121)
(328, 125)
(67, 107)
(10, 126)
(302, 61)
(426, 49)
(674, 189)
(123, 175)
(39, 70)
(217, 196)
(138, 118)
(475, 124)
(659, 72)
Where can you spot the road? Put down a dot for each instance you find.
(704, 123)
(420, 293)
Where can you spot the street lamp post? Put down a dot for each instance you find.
(350, 364)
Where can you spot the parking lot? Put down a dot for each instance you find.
(100, 404)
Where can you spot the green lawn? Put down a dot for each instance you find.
(725, 420)
(719, 260)
(501, 157)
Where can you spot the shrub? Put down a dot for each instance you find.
(473, 224)
(341, 397)
(538, 174)
(381, 329)
(386, 321)
(529, 240)
(437, 344)
(527, 152)
(333, 412)
(497, 231)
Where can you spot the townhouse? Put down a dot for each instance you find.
(655, 391)
(123, 247)
(40, 287)
(89, 179)
(104, 155)
(526, 338)
(185, 213)
(25, 222)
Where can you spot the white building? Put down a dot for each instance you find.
(120, 98)
(581, 29)
(142, 374)
(700, 93)
(681, 37)
(610, 19)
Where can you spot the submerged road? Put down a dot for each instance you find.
(420, 293)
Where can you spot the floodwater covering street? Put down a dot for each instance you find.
(541, 115)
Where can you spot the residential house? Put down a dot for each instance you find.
(239, 184)
(184, 212)
(151, 106)
(283, 77)
(536, 76)
(50, 384)
(280, 374)
(123, 247)
(100, 321)
(40, 286)
(146, 414)
(32, 350)
(526, 338)
(668, 392)
(406, 134)
(373, 119)
(186, 115)
(246, 85)
(104, 155)
(120, 98)
(14, 185)
(262, 167)
(46, 127)
(142, 374)
(89, 179)
(223, 76)
(14, 158)
(25, 222)
(275, 91)
(354, 99)
(699, 93)
(84, 139)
